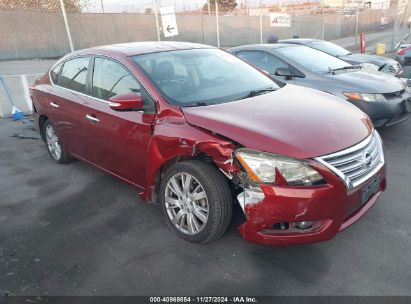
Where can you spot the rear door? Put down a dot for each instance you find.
(68, 102)
(118, 141)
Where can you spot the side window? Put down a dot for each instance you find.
(55, 73)
(111, 79)
(263, 60)
(74, 74)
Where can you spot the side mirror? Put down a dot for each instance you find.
(126, 102)
(283, 72)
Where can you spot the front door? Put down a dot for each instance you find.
(118, 141)
(267, 62)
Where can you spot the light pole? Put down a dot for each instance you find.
(356, 24)
(217, 23)
(261, 22)
(157, 25)
(323, 24)
(63, 10)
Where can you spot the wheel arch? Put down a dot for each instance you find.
(41, 122)
(163, 153)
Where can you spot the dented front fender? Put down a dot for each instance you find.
(174, 138)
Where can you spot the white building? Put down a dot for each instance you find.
(374, 4)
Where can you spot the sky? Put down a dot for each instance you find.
(114, 6)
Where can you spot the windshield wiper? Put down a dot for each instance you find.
(200, 104)
(258, 92)
(348, 67)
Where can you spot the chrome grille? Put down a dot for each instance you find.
(358, 163)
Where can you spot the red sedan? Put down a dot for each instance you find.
(193, 127)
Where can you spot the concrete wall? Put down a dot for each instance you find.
(16, 91)
(28, 35)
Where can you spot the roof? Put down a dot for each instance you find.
(139, 48)
(299, 40)
(266, 46)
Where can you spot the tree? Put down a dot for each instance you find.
(223, 5)
(72, 6)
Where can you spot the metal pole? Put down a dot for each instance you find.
(157, 25)
(63, 10)
(261, 23)
(102, 6)
(217, 23)
(323, 28)
(356, 25)
(393, 41)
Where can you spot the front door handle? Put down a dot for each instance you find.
(92, 119)
(54, 105)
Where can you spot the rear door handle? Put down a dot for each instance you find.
(92, 119)
(54, 105)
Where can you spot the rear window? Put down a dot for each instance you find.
(55, 73)
(329, 48)
(74, 74)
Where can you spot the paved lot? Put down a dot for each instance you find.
(72, 230)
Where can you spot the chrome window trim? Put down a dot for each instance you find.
(347, 181)
(93, 56)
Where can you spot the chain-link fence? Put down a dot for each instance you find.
(33, 33)
(401, 27)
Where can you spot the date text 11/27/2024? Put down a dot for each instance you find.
(235, 299)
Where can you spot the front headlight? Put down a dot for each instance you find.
(261, 167)
(365, 97)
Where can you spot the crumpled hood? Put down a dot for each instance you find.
(294, 121)
(366, 81)
(366, 58)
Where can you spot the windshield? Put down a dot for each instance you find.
(200, 77)
(329, 48)
(313, 60)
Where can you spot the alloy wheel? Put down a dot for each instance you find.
(186, 203)
(53, 143)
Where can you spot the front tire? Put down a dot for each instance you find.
(54, 146)
(196, 201)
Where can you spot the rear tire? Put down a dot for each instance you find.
(54, 146)
(196, 201)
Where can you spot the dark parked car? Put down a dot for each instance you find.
(380, 63)
(383, 97)
(190, 126)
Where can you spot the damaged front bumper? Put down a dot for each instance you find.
(297, 215)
